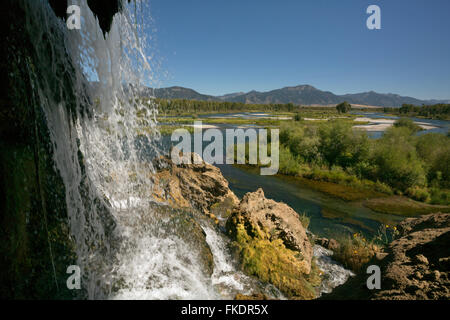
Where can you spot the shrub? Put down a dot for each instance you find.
(304, 219)
(343, 107)
(419, 194)
(407, 123)
(396, 160)
(434, 150)
(340, 145)
(355, 251)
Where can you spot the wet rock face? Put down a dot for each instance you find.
(36, 246)
(185, 225)
(103, 9)
(417, 266)
(35, 243)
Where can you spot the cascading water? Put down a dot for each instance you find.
(124, 247)
(88, 86)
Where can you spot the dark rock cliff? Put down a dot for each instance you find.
(35, 243)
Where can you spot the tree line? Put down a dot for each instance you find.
(183, 106)
(437, 111)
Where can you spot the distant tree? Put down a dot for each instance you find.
(343, 107)
(407, 123)
(298, 117)
(290, 107)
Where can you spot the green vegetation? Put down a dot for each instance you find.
(355, 251)
(332, 157)
(403, 206)
(272, 262)
(343, 107)
(188, 107)
(184, 106)
(304, 219)
(345, 163)
(407, 123)
(437, 111)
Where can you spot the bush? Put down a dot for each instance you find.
(354, 251)
(340, 145)
(419, 194)
(434, 150)
(407, 123)
(343, 107)
(289, 164)
(396, 160)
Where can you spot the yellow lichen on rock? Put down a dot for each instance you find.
(271, 244)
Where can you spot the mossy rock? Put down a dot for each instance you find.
(271, 262)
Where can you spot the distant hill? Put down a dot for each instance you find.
(181, 93)
(299, 95)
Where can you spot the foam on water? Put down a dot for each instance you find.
(334, 274)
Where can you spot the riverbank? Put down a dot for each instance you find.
(368, 196)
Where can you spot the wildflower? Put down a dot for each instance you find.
(387, 226)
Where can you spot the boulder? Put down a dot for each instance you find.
(330, 244)
(277, 220)
(271, 244)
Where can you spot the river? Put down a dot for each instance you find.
(329, 216)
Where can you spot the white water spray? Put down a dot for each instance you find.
(125, 249)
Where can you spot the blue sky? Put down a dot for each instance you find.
(224, 46)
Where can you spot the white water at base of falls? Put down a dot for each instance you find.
(334, 274)
(225, 278)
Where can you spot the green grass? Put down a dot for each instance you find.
(355, 251)
(403, 206)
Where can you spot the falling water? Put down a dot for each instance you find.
(125, 247)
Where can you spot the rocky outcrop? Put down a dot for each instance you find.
(271, 244)
(418, 263)
(199, 186)
(274, 219)
(415, 266)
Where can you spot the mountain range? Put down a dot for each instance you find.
(299, 95)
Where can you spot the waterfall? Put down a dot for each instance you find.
(88, 86)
